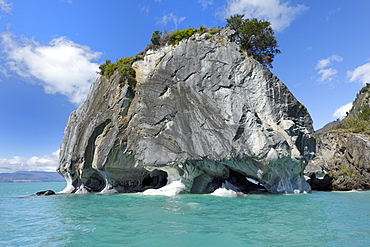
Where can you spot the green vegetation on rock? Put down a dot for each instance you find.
(124, 68)
(358, 119)
(254, 36)
(359, 124)
(345, 171)
(179, 35)
(124, 65)
(156, 37)
(173, 38)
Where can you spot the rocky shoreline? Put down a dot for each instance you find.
(342, 162)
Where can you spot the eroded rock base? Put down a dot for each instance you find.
(93, 181)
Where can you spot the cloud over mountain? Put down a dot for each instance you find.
(360, 74)
(342, 111)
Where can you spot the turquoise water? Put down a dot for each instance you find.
(315, 219)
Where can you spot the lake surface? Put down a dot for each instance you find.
(314, 219)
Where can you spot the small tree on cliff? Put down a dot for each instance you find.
(156, 37)
(254, 36)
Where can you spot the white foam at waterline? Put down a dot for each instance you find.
(346, 191)
(107, 191)
(355, 190)
(295, 192)
(67, 190)
(82, 190)
(223, 192)
(171, 189)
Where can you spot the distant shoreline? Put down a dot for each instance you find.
(30, 176)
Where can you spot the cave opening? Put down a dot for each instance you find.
(155, 180)
(95, 182)
(242, 183)
(235, 180)
(76, 181)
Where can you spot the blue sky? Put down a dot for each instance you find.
(51, 49)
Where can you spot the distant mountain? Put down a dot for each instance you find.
(328, 126)
(30, 176)
(343, 150)
(358, 118)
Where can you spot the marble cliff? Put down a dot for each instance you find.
(202, 114)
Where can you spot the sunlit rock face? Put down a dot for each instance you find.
(202, 113)
(342, 162)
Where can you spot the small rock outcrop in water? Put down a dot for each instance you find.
(45, 193)
(343, 151)
(201, 113)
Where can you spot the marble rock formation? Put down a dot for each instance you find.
(201, 113)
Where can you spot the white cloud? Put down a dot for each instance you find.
(17, 163)
(4, 72)
(145, 9)
(327, 61)
(279, 13)
(360, 74)
(5, 7)
(205, 3)
(61, 66)
(170, 18)
(342, 111)
(327, 74)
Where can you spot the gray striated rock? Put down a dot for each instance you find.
(202, 113)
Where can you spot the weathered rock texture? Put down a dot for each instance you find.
(361, 103)
(202, 113)
(344, 161)
(343, 150)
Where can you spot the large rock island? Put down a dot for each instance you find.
(200, 113)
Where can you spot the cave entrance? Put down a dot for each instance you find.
(242, 183)
(95, 182)
(155, 180)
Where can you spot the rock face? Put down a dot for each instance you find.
(344, 159)
(343, 156)
(202, 113)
